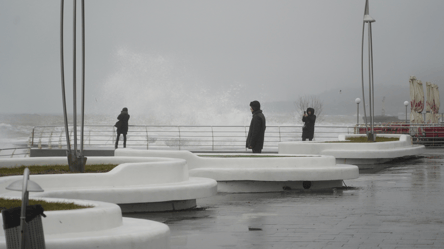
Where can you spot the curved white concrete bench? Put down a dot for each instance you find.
(357, 153)
(42, 161)
(259, 172)
(153, 184)
(101, 226)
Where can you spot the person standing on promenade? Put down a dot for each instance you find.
(122, 126)
(309, 120)
(256, 133)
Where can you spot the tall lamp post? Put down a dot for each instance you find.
(76, 159)
(371, 84)
(357, 101)
(406, 103)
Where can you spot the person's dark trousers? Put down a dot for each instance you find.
(117, 140)
(257, 150)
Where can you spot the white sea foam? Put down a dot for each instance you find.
(165, 92)
(159, 90)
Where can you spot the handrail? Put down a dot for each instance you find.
(175, 136)
(216, 136)
(11, 152)
(213, 138)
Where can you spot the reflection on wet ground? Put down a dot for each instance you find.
(401, 206)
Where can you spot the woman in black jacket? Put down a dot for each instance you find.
(309, 120)
(122, 126)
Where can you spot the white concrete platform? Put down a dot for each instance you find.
(259, 172)
(357, 153)
(101, 226)
(163, 182)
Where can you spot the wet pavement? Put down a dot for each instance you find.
(401, 206)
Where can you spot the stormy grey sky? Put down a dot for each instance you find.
(188, 54)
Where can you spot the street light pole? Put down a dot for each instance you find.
(76, 159)
(357, 101)
(81, 156)
(368, 19)
(406, 103)
(62, 64)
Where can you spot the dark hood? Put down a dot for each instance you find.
(255, 105)
(311, 110)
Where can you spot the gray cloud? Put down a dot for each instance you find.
(266, 50)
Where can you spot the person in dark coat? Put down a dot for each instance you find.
(309, 120)
(256, 133)
(123, 127)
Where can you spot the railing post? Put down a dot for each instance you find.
(32, 142)
(60, 140)
(71, 139)
(49, 141)
(246, 136)
(212, 139)
(178, 127)
(280, 134)
(13, 153)
(112, 135)
(147, 142)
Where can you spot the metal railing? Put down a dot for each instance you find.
(431, 135)
(209, 138)
(14, 152)
(194, 138)
(219, 138)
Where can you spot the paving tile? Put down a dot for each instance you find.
(399, 207)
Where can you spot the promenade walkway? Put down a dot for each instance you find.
(401, 206)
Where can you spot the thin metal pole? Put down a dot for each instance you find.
(367, 9)
(212, 139)
(83, 78)
(357, 115)
(373, 77)
(246, 136)
(406, 114)
(74, 78)
(362, 77)
(147, 138)
(179, 135)
(32, 142)
(65, 115)
(370, 80)
(23, 211)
